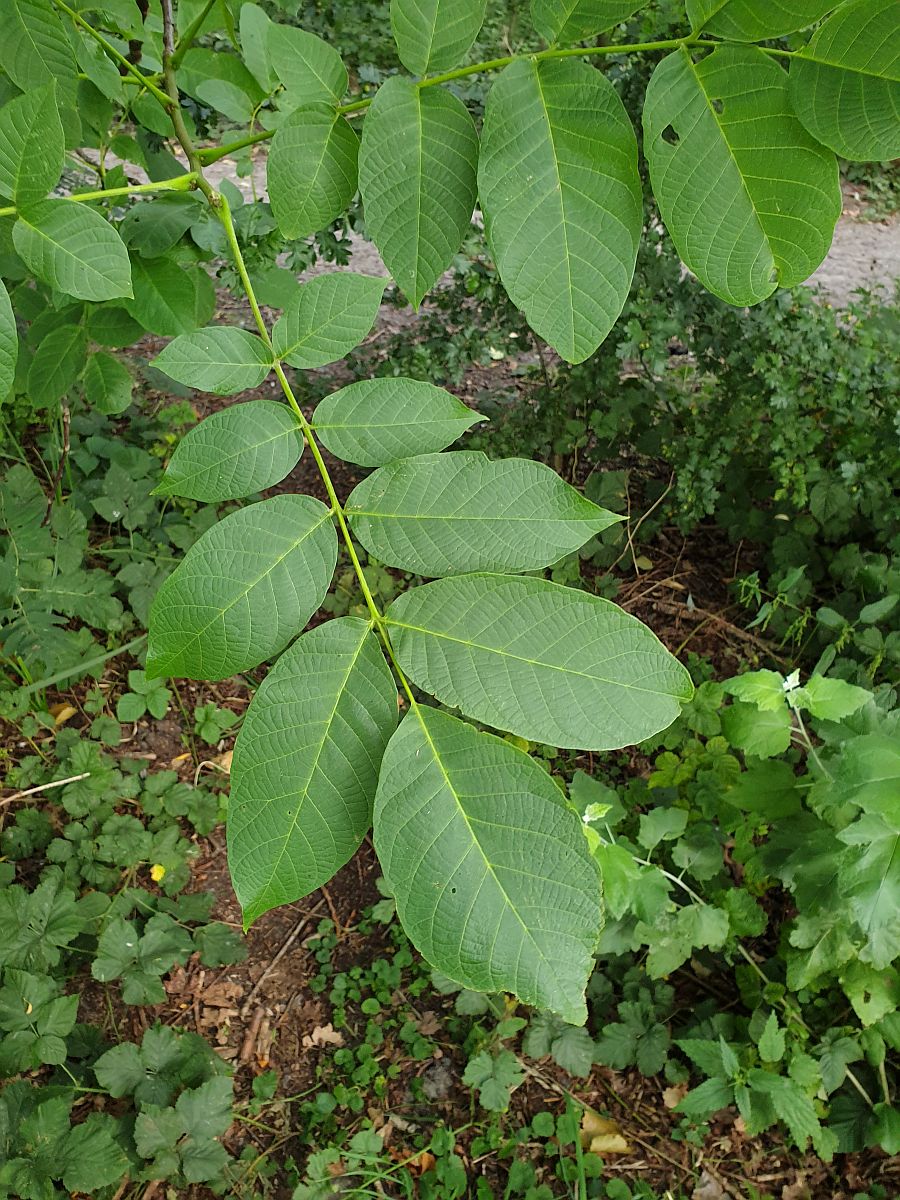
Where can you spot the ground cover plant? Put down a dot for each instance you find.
(442, 625)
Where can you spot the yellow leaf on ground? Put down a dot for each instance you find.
(602, 1135)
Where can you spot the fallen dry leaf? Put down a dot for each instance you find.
(222, 994)
(62, 713)
(179, 758)
(602, 1135)
(429, 1024)
(322, 1035)
(672, 1096)
(223, 761)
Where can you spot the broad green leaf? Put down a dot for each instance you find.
(543, 661)
(444, 514)
(871, 882)
(435, 35)
(868, 772)
(169, 300)
(310, 70)
(244, 590)
(34, 47)
(212, 76)
(32, 148)
(829, 699)
(107, 384)
(750, 199)
(57, 363)
(311, 169)
(417, 168)
(845, 84)
(771, 1041)
(377, 421)
(254, 28)
(112, 326)
(328, 317)
(9, 343)
(761, 732)
(565, 21)
(559, 186)
(220, 359)
(306, 764)
(74, 249)
(490, 870)
(234, 452)
(755, 20)
(154, 226)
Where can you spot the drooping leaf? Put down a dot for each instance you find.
(9, 343)
(328, 317)
(417, 168)
(74, 249)
(244, 590)
(377, 421)
(57, 363)
(306, 764)
(559, 186)
(444, 514)
(309, 68)
(543, 661)
(107, 384)
(750, 199)
(489, 868)
(434, 35)
(845, 84)
(169, 300)
(311, 169)
(234, 452)
(754, 20)
(220, 359)
(32, 147)
(565, 21)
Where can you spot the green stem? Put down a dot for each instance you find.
(185, 41)
(180, 183)
(112, 52)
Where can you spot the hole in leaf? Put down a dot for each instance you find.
(453, 891)
(669, 135)
(718, 105)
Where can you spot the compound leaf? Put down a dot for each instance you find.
(220, 359)
(417, 166)
(377, 421)
(311, 71)
(32, 147)
(74, 249)
(489, 868)
(306, 764)
(234, 452)
(243, 590)
(749, 198)
(311, 169)
(754, 20)
(564, 21)
(444, 514)
(545, 662)
(327, 318)
(845, 84)
(434, 35)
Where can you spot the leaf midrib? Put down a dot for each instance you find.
(239, 453)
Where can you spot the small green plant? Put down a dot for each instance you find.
(144, 696)
(211, 722)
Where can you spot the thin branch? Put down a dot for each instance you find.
(179, 183)
(112, 52)
(45, 787)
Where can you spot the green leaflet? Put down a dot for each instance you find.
(306, 764)
(220, 80)
(845, 85)
(57, 363)
(254, 30)
(561, 194)
(169, 300)
(754, 20)
(34, 47)
(234, 452)
(310, 70)
(443, 514)
(244, 590)
(564, 21)
(417, 167)
(377, 421)
(74, 249)
(311, 169)
(490, 869)
(153, 227)
(220, 359)
(545, 662)
(435, 35)
(32, 148)
(749, 198)
(9, 343)
(107, 384)
(328, 317)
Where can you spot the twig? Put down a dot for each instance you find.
(45, 787)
